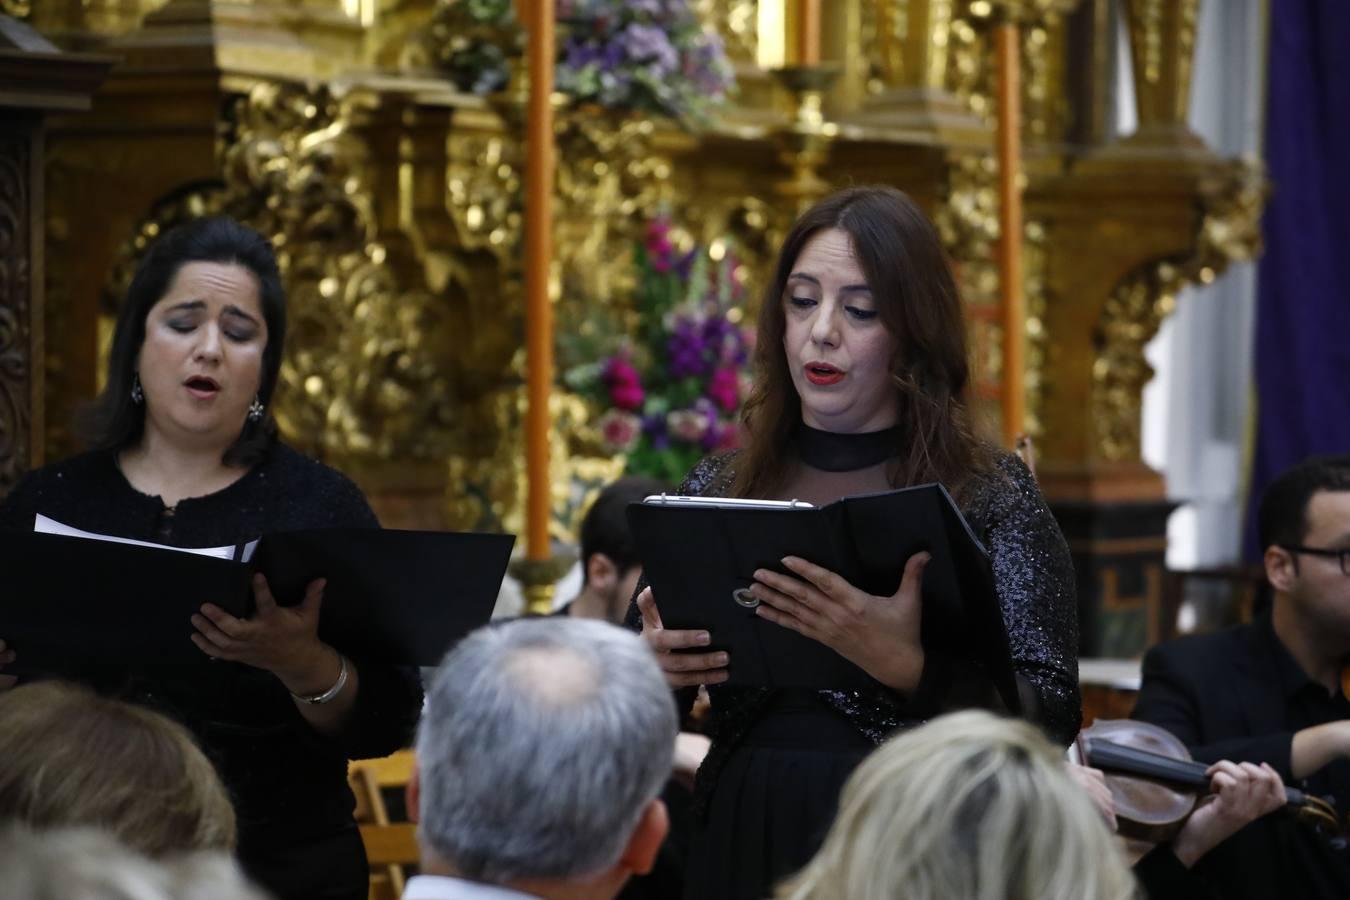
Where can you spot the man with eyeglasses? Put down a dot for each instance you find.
(1272, 690)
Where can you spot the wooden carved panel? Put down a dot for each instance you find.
(15, 293)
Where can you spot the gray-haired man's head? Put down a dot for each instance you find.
(542, 745)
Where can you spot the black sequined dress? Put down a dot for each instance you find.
(767, 792)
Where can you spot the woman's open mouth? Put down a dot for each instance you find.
(823, 373)
(201, 387)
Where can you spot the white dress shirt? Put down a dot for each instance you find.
(439, 887)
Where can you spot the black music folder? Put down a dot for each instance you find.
(700, 554)
(400, 597)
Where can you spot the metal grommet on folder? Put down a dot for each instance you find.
(743, 597)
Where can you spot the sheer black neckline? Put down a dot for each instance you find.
(831, 451)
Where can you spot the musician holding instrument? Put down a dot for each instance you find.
(1271, 691)
(862, 379)
(1237, 794)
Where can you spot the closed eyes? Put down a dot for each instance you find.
(858, 313)
(237, 335)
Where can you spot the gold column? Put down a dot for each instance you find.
(1162, 48)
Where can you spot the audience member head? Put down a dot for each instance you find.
(609, 560)
(89, 864)
(69, 757)
(207, 250)
(1304, 527)
(862, 284)
(542, 750)
(971, 806)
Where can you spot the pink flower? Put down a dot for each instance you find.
(625, 387)
(724, 388)
(620, 430)
(687, 425)
(660, 251)
(626, 396)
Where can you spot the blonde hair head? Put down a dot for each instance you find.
(972, 806)
(89, 864)
(69, 757)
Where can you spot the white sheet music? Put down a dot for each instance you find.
(46, 525)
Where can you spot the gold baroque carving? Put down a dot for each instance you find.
(484, 192)
(363, 376)
(491, 489)
(1229, 231)
(610, 182)
(738, 23)
(1036, 292)
(967, 222)
(970, 70)
(363, 373)
(15, 359)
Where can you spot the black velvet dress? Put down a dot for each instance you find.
(288, 782)
(767, 792)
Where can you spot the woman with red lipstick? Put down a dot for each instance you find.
(861, 386)
(186, 454)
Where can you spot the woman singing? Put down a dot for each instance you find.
(187, 455)
(861, 385)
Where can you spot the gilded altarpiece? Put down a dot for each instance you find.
(37, 80)
(396, 206)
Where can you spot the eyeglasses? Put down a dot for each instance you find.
(1343, 555)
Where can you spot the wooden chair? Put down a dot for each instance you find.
(389, 845)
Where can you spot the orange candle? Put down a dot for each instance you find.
(538, 257)
(808, 32)
(1014, 316)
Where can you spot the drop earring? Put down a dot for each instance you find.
(256, 410)
(137, 394)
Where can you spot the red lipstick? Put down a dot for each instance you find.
(823, 374)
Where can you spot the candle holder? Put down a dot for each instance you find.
(538, 576)
(804, 144)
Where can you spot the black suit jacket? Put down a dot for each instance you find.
(1239, 695)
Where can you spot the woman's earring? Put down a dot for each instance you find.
(137, 394)
(255, 410)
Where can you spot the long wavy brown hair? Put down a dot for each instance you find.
(915, 293)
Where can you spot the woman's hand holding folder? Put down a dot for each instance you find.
(682, 669)
(880, 635)
(279, 639)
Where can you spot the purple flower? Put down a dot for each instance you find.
(686, 349)
(644, 42)
(654, 427)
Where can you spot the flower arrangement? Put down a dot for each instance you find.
(674, 393)
(647, 55)
(650, 56)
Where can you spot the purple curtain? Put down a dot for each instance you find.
(1302, 341)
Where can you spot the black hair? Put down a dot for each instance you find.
(113, 421)
(605, 528)
(1282, 518)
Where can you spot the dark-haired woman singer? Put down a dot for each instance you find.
(187, 455)
(861, 379)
